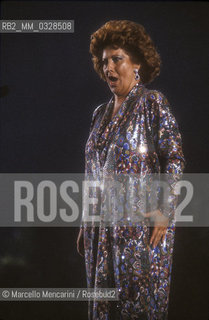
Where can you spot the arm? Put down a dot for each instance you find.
(169, 148)
(80, 237)
(168, 145)
(167, 138)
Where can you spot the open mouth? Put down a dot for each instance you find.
(112, 80)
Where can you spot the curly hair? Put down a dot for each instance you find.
(132, 38)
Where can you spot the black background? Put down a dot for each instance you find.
(48, 93)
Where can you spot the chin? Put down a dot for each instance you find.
(114, 90)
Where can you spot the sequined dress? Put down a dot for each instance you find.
(142, 138)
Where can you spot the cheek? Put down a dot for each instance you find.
(128, 70)
(127, 77)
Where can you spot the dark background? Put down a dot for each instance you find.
(48, 93)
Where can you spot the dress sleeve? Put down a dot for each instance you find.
(168, 145)
(96, 113)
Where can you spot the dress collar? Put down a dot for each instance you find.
(135, 91)
(107, 124)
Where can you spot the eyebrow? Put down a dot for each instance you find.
(114, 56)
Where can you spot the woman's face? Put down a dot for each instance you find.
(119, 71)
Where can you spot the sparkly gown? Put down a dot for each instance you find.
(142, 138)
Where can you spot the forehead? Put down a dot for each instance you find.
(110, 51)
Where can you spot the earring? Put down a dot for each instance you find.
(137, 76)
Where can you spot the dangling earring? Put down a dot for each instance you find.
(137, 76)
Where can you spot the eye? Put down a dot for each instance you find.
(116, 59)
(104, 62)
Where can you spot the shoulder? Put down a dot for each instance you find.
(99, 109)
(155, 101)
(155, 97)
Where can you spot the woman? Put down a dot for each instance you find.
(134, 133)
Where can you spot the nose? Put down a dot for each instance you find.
(109, 66)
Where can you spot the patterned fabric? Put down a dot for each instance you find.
(142, 138)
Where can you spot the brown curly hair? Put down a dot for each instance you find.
(131, 37)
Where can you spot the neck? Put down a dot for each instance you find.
(117, 103)
(119, 99)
